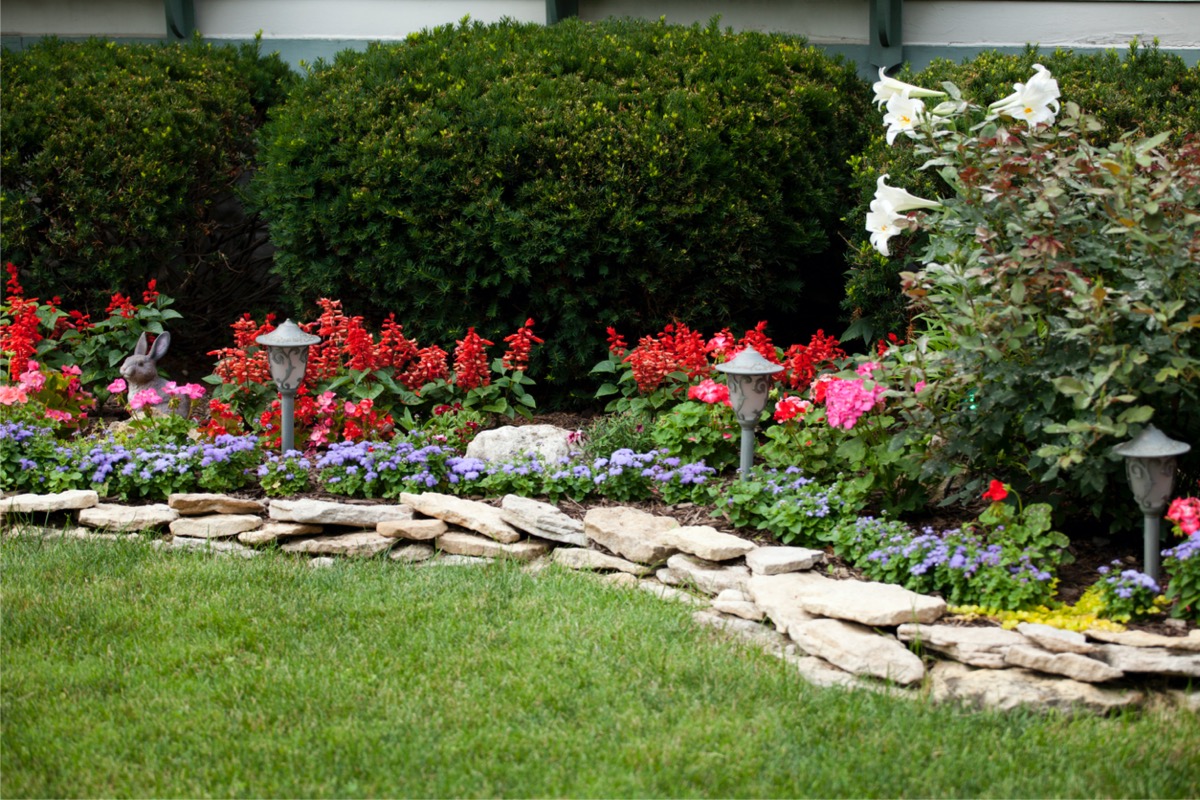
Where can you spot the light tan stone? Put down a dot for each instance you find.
(1155, 660)
(542, 520)
(869, 603)
(361, 544)
(127, 518)
(1007, 689)
(272, 532)
(708, 543)
(71, 500)
(858, 650)
(469, 544)
(416, 530)
(469, 514)
(739, 604)
(582, 558)
(780, 560)
(321, 512)
(631, 534)
(1056, 640)
(1191, 642)
(412, 553)
(1072, 665)
(708, 576)
(195, 504)
(977, 646)
(215, 526)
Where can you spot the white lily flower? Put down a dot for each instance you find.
(886, 88)
(899, 200)
(1035, 102)
(883, 223)
(904, 113)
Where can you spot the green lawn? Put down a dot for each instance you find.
(132, 672)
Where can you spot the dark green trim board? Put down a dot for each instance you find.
(557, 10)
(181, 19)
(886, 37)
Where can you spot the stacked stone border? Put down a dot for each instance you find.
(846, 633)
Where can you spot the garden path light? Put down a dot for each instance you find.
(1150, 465)
(287, 353)
(749, 377)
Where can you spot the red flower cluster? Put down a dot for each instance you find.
(19, 338)
(120, 304)
(151, 293)
(881, 347)
(246, 362)
(802, 362)
(616, 343)
(677, 349)
(758, 339)
(222, 419)
(471, 362)
(429, 365)
(520, 343)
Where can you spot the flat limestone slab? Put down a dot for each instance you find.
(542, 520)
(858, 650)
(321, 512)
(414, 530)
(469, 514)
(1191, 642)
(708, 543)
(631, 534)
(585, 559)
(778, 560)
(710, 577)
(977, 646)
(1007, 689)
(362, 544)
(193, 504)
(272, 532)
(215, 526)
(112, 516)
(1072, 665)
(868, 603)
(469, 544)
(72, 500)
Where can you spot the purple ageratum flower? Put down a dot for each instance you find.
(1182, 552)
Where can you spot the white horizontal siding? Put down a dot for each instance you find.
(134, 18)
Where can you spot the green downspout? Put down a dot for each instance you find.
(886, 37)
(557, 10)
(181, 19)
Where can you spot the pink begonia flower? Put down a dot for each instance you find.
(719, 344)
(71, 369)
(1185, 512)
(867, 367)
(349, 407)
(326, 402)
(117, 386)
(146, 397)
(918, 387)
(846, 401)
(58, 416)
(790, 408)
(709, 391)
(32, 380)
(193, 390)
(12, 395)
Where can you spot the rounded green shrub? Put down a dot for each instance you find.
(118, 161)
(1146, 90)
(584, 174)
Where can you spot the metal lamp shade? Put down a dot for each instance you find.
(1150, 466)
(287, 354)
(749, 379)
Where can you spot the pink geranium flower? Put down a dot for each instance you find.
(13, 395)
(790, 408)
(117, 386)
(1185, 512)
(57, 416)
(32, 380)
(846, 401)
(146, 397)
(709, 391)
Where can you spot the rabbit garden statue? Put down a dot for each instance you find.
(140, 371)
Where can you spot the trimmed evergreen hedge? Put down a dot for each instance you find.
(1146, 89)
(585, 174)
(115, 157)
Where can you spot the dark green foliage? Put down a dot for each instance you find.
(582, 174)
(1146, 89)
(115, 157)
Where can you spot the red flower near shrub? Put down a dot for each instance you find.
(519, 345)
(996, 492)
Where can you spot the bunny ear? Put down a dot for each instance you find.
(161, 343)
(142, 346)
